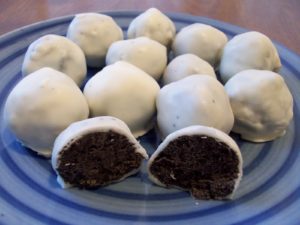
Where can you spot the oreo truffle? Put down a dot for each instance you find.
(261, 103)
(194, 100)
(96, 152)
(94, 33)
(153, 24)
(42, 105)
(249, 50)
(144, 53)
(186, 65)
(56, 52)
(202, 40)
(124, 91)
(202, 160)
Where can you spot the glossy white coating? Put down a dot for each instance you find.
(262, 104)
(94, 33)
(147, 54)
(153, 24)
(185, 65)
(194, 100)
(56, 52)
(41, 105)
(124, 91)
(202, 40)
(250, 50)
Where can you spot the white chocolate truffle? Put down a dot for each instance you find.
(262, 104)
(203, 160)
(94, 33)
(154, 25)
(96, 152)
(41, 105)
(194, 100)
(250, 50)
(56, 52)
(185, 65)
(142, 52)
(202, 40)
(124, 91)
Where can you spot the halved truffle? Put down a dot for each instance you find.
(202, 160)
(96, 152)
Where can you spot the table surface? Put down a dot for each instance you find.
(278, 19)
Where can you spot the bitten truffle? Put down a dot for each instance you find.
(96, 152)
(202, 160)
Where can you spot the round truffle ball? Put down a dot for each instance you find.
(250, 50)
(153, 24)
(94, 33)
(146, 54)
(262, 104)
(202, 40)
(124, 91)
(56, 52)
(194, 100)
(185, 65)
(41, 105)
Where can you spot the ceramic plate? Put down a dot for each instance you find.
(268, 194)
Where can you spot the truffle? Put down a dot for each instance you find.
(262, 104)
(144, 53)
(250, 50)
(186, 65)
(194, 100)
(202, 160)
(96, 152)
(56, 52)
(41, 105)
(124, 91)
(153, 24)
(94, 33)
(202, 40)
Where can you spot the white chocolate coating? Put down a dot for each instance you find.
(202, 40)
(250, 50)
(262, 104)
(154, 25)
(142, 52)
(124, 91)
(41, 105)
(94, 33)
(56, 52)
(194, 100)
(98, 124)
(198, 130)
(185, 65)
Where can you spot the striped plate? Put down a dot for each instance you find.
(269, 192)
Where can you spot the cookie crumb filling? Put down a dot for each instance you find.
(201, 164)
(97, 159)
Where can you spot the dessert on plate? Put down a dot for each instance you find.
(203, 160)
(261, 103)
(96, 152)
(41, 105)
(56, 52)
(94, 33)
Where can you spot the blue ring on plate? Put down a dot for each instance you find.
(189, 22)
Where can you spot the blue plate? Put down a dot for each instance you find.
(268, 194)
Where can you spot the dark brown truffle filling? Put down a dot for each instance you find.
(97, 159)
(201, 164)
